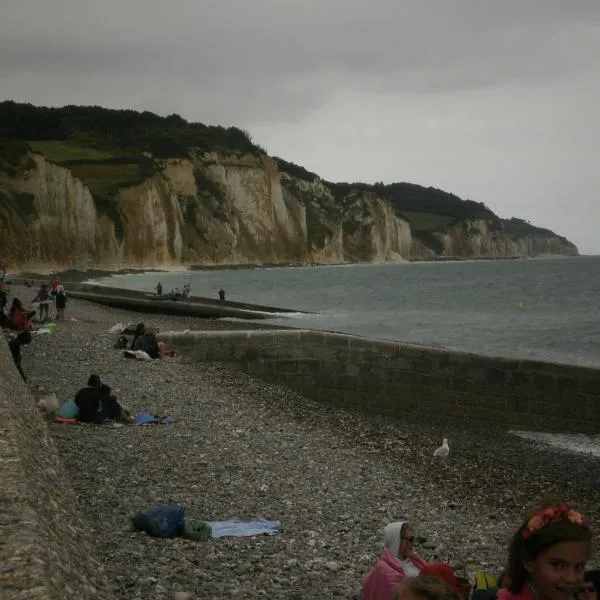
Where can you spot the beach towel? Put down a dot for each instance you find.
(145, 418)
(237, 528)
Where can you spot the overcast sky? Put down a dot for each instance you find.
(494, 100)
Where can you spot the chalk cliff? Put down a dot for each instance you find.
(217, 209)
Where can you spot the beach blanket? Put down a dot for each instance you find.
(145, 418)
(235, 528)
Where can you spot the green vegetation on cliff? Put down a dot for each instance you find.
(118, 132)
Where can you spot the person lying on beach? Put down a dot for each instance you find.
(15, 344)
(425, 587)
(96, 404)
(397, 562)
(548, 554)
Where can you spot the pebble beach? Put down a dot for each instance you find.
(238, 447)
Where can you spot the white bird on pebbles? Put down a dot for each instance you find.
(443, 450)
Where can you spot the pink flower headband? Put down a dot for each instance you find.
(553, 514)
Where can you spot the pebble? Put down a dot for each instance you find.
(242, 448)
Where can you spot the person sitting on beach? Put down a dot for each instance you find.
(139, 331)
(44, 298)
(15, 344)
(96, 404)
(425, 587)
(148, 343)
(547, 555)
(397, 562)
(19, 317)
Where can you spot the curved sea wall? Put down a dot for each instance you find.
(45, 549)
(406, 380)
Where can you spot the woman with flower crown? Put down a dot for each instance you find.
(547, 555)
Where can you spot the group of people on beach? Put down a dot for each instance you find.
(25, 320)
(21, 319)
(546, 560)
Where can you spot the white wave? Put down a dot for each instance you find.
(570, 442)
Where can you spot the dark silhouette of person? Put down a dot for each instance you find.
(222, 295)
(15, 344)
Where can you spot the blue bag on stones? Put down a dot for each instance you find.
(160, 521)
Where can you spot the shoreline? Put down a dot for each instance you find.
(82, 275)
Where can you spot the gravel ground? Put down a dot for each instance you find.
(241, 448)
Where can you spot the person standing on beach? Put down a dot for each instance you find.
(44, 298)
(15, 344)
(61, 302)
(159, 289)
(222, 295)
(3, 295)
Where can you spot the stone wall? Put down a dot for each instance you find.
(406, 380)
(45, 551)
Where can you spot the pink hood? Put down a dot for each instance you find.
(382, 581)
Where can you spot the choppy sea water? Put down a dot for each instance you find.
(545, 309)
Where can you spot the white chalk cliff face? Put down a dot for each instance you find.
(219, 210)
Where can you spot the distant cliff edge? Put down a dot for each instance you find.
(85, 187)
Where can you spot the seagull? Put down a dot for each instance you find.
(443, 450)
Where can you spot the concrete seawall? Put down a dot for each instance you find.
(405, 380)
(45, 550)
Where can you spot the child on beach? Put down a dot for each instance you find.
(60, 297)
(547, 555)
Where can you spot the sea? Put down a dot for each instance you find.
(547, 309)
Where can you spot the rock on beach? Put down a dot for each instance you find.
(242, 448)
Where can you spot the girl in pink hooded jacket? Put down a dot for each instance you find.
(396, 563)
(547, 555)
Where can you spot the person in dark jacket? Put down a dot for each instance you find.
(96, 404)
(148, 343)
(15, 344)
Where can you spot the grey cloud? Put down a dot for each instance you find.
(491, 99)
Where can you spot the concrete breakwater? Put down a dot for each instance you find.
(406, 380)
(135, 300)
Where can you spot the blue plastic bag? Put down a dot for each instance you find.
(160, 521)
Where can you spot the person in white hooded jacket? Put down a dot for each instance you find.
(397, 562)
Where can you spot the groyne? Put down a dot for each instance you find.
(407, 380)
